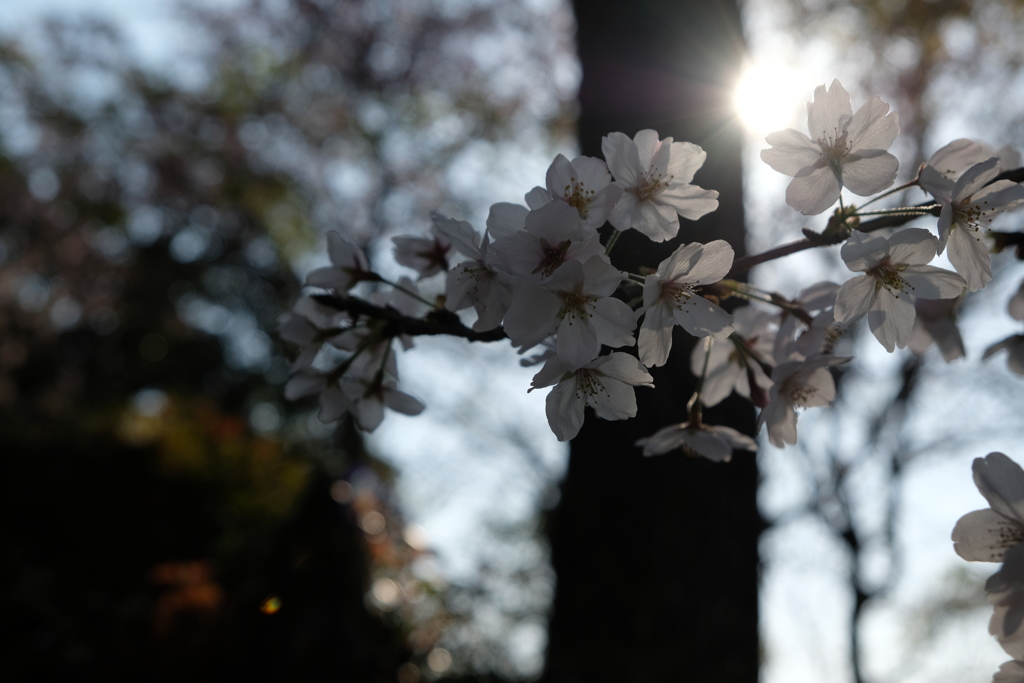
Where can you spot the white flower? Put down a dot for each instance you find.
(895, 272)
(845, 149)
(506, 219)
(364, 397)
(585, 184)
(671, 297)
(605, 384)
(552, 236)
(1010, 672)
(577, 303)
(308, 325)
(426, 255)
(655, 176)
(1007, 618)
(369, 396)
(737, 363)
(796, 339)
(712, 442)
(985, 535)
(348, 266)
(959, 155)
(368, 386)
(798, 384)
(473, 282)
(968, 206)
(951, 160)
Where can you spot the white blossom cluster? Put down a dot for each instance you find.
(540, 275)
(996, 534)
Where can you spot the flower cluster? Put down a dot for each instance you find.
(541, 275)
(996, 534)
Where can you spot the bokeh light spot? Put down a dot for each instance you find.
(271, 605)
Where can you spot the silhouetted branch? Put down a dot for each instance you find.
(438, 321)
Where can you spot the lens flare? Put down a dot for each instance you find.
(769, 96)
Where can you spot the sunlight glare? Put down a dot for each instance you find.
(770, 96)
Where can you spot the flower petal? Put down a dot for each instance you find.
(892, 320)
(873, 127)
(813, 192)
(654, 343)
(830, 110)
(866, 173)
(791, 152)
(620, 154)
(969, 254)
(985, 535)
(913, 246)
(685, 160)
(863, 252)
(855, 298)
(564, 409)
(1001, 481)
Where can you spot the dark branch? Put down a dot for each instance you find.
(438, 321)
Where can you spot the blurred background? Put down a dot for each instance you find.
(167, 173)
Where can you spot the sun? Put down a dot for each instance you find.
(770, 96)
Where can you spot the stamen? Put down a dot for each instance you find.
(554, 256)
(578, 196)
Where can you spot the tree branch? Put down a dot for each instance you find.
(438, 321)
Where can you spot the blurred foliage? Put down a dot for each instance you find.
(173, 518)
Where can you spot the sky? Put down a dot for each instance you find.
(804, 600)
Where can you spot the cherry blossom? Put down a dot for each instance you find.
(796, 339)
(426, 255)
(1005, 588)
(368, 384)
(985, 535)
(671, 297)
(474, 282)
(505, 219)
(585, 184)
(577, 303)
(715, 443)
(552, 236)
(798, 384)
(1007, 620)
(1010, 672)
(953, 159)
(369, 396)
(739, 362)
(655, 176)
(606, 384)
(348, 266)
(895, 272)
(968, 206)
(308, 325)
(846, 149)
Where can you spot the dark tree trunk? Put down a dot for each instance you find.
(657, 558)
